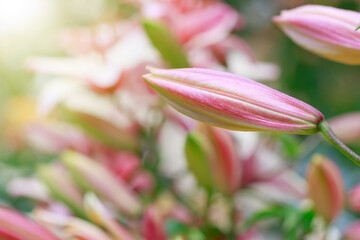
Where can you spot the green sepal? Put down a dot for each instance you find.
(166, 44)
(197, 159)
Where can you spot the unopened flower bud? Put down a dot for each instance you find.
(326, 31)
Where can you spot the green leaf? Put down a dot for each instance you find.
(358, 27)
(197, 159)
(174, 228)
(196, 234)
(272, 212)
(167, 45)
(290, 144)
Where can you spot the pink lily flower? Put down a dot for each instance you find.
(233, 102)
(196, 23)
(15, 226)
(326, 31)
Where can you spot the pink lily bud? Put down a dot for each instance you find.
(99, 214)
(67, 226)
(61, 186)
(233, 102)
(352, 232)
(93, 176)
(212, 157)
(354, 198)
(80, 229)
(153, 225)
(347, 127)
(326, 31)
(14, 225)
(326, 187)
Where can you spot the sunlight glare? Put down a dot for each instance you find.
(21, 15)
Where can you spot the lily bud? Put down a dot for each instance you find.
(93, 176)
(212, 157)
(61, 186)
(80, 229)
(14, 225)
(98, 213)
(326, 187)
(233, 102)
(153, 224)
(326, 31)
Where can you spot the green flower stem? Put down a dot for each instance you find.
(206, 212)
(232, 230)
(334, 140)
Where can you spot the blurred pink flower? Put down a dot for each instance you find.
(14, 225)
(196, 23)
(69, 226)
(123, 164)
(347, 127)
(230, 101)
(352, 232)
(153, 224)
(92, 175)
(143, 182)
(326, 31)
(54, 137)
(354, 198)
(29, 187)
(103, 70)
(99, 214)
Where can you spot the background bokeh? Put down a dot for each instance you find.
(30, 28)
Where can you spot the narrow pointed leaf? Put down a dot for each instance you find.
(164, 41)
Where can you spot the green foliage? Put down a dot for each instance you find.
(14, 164)
(163, 40)
(294, 223)
(290, 144)
(175, 229)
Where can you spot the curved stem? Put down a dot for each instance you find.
(334, 140)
